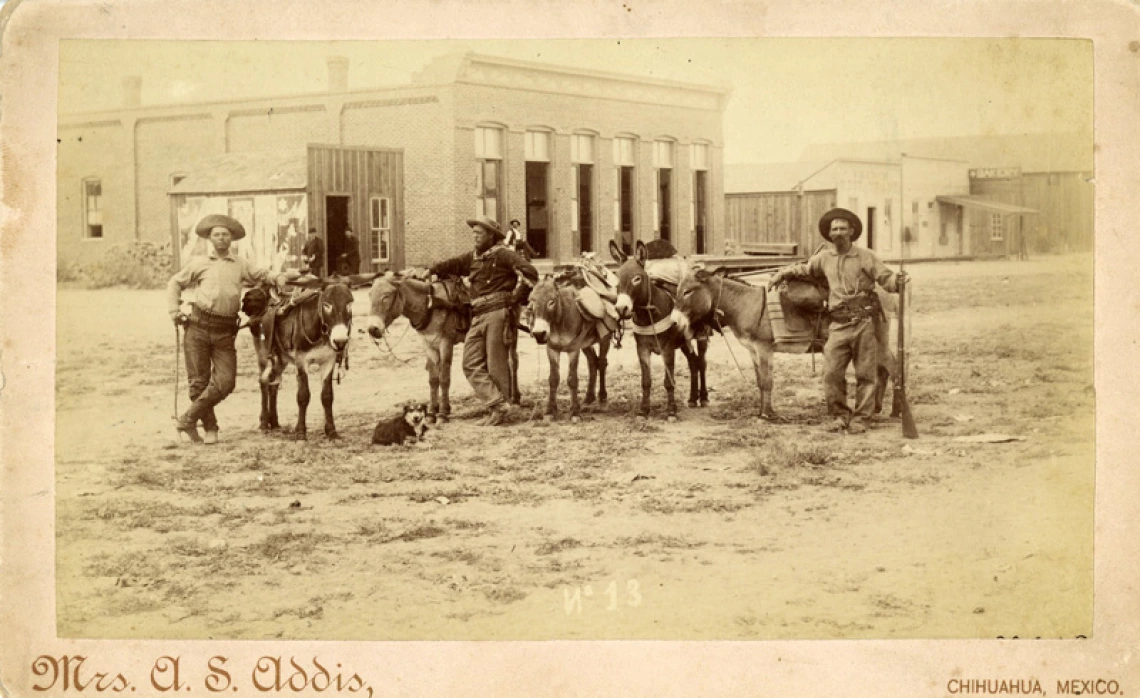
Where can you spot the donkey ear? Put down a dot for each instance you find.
(640, 253)
(616, 253)
(721, 272)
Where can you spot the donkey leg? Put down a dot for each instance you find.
(444, 368)
(643, 355)
(572, 382)
(299, 431)
(273, 422)
(513, 363)
(553, 357)
(668, 356)
(702, 364)
(603, 350)
(431, 365)
(694, 373)
(327, 403)
(763, 360)
(591, 374)
(263, 419)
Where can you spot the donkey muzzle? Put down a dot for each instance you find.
(624, 306)
(375, 327)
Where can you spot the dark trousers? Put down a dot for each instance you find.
(211, 367)
(485, 357)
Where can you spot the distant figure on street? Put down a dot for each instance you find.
(516, 240)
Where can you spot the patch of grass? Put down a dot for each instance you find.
(657, 540)
(551, 547)
(418, 533)
(504, 595)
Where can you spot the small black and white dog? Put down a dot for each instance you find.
(410, 424)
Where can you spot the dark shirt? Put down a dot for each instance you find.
(352, 253)
(315, 250)
(497, 269)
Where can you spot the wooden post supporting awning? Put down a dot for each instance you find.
(987, 205)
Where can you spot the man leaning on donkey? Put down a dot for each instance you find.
(857, 316)
(212, 326)
(499, 279)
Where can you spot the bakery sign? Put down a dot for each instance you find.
(995, 173)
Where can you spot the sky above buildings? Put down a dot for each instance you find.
(787, 93)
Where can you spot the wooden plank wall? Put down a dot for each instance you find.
(1065, 203)
(778, 217)
(359, 173)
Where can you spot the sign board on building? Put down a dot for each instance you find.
(995, 173)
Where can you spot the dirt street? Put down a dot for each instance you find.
(720, 526)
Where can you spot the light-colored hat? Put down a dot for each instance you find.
(487, 223)
(217, 220)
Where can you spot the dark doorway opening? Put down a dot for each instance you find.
(665, 203)
(870, 227)
(625, 206)
(336, 219)
(537, 217)
(700, 202)
(585, 208)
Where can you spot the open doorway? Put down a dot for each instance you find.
(336, 220)
(537, 221)
(871, 227)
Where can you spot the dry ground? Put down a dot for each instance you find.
(718, 526)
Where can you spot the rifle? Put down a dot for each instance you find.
(909, 429)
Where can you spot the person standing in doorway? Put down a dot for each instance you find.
(212, 326)
(856, 316)
(499, 279)
(350, 259)
(314, 254)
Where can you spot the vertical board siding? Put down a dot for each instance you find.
(359, 173)
(778, 217)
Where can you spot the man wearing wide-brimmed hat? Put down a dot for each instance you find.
(499, 279)
(856, 314)
(211, 360)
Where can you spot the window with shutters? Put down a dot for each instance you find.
(624, 188)
(663, 206)
(582, 206)
(488, 172)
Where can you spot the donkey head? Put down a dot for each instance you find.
(544, 308)
(336, 313)
(386, 301)
(634, 288)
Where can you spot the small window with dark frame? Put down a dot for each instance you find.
(93, 209)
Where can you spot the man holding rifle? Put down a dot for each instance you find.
(856, 316)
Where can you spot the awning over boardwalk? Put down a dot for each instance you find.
(246, 172)
(987, 205)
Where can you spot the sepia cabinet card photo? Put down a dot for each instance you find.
(568, 349)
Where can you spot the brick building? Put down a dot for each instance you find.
(581, 157)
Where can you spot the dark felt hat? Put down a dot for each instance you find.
(487, 223)
(217, 220)
(833, 214)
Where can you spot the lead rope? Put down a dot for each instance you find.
(720, 328)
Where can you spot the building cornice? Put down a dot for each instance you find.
(499, 72)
